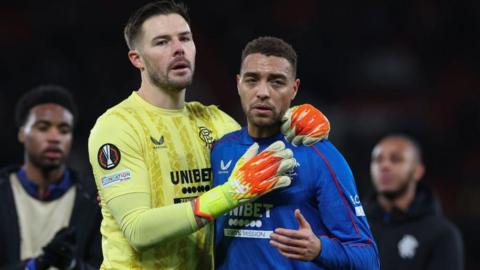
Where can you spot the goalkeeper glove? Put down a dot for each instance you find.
(304, 124)
(253, 176)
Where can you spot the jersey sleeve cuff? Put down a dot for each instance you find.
(326, 254)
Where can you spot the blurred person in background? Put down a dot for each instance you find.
(405, 216)
(50, 217)
(315, 223)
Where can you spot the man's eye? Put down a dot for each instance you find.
(185, 39)
(161, 42)
(42, 127)
(65, 130)
(396, 159)
(278, 82)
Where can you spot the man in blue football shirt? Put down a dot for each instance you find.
(315, 223)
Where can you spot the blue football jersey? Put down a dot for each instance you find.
(324, 190)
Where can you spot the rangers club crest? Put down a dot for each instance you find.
(206, 135)
(407, 246)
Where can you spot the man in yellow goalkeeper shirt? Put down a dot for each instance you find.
(150, 155)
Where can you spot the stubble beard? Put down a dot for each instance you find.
(45, 166)
(264, 122)
(163, 81)
(400, 191)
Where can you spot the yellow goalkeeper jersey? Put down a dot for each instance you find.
(137, 147)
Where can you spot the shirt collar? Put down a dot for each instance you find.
(54, 191)
(249, 140)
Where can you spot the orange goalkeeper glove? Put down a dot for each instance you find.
(253, 176)
(305, 124)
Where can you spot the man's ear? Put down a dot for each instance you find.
(296, 86)
(419, 172)
(21, 135)
(136, 59)
(238, 82)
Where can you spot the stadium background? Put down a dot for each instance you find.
(373, 67)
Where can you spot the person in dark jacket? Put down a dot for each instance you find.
(49, 215)
(405, 216)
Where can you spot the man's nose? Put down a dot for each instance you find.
(263, 90)
(53, 135)
(385, 164)
(177, 47)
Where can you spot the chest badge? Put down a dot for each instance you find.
(205, 135)
(407, 246)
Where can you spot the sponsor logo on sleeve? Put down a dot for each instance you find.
(116, 177)
(359, 211)
(108, 156)
(357, 204)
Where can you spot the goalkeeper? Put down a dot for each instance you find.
(318, 221)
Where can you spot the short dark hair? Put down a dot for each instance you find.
(134, 25)
(41, 95)
(271, 46)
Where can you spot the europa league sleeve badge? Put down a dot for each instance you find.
(108, 156)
